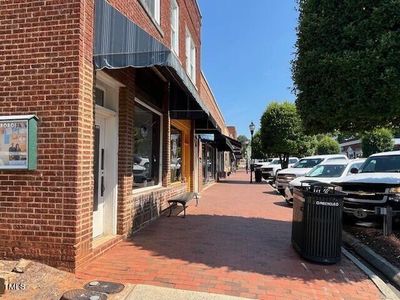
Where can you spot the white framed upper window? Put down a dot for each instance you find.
(190, 57)
(175, 26)
(153, 9)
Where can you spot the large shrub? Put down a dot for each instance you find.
(327, 145)
(377, 140)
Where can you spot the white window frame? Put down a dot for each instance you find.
(175, 27)
(159, 185)
(190, 57)
(156, 14)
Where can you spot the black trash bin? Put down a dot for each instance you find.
(317, 222)
(258, 175)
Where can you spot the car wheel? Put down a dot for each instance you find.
(281, 191)
(290, 203)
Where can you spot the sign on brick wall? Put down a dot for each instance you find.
(18, 142)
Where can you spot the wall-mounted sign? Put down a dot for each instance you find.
(18, 142)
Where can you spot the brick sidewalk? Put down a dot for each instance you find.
(236, 242)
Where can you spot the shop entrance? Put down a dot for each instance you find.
(105, 171)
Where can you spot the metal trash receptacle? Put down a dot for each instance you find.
(317, 222)
(258, 175)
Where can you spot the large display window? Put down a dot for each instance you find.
(147, 146)
(176, 155)
(208, 163)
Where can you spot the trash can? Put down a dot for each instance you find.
(317, 222)
(258, 175)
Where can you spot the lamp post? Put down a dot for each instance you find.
(252, 127)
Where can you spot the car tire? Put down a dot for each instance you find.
(281, 191)
(289, 202)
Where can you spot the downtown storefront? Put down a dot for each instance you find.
(115, 141)
(102, 133)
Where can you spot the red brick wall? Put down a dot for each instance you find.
(189, 18)
(45, 47)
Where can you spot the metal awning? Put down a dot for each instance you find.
(223, 144)
(120, 43)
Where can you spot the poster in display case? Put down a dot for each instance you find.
(18, 142)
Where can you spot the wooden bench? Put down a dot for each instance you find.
(182, 200)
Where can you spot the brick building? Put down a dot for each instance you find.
(121, 104)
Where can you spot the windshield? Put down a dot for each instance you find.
(293, 160)
(326, 171)
(307, 163)
(275, 162)
(389, 163)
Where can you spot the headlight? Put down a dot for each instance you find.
(395, 190)
(395, 194)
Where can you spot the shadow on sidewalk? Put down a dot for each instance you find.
(240, 244)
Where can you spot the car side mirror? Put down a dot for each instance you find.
(354, 171)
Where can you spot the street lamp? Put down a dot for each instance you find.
(252, 127)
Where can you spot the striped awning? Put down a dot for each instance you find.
(120, 43)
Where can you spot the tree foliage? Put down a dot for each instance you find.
(347, 65)
(327, 145)
(257, 149)
(377, 140)
(244, 141)
(281, 131)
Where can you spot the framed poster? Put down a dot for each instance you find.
(18, 142)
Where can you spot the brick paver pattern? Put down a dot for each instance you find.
(235, 242)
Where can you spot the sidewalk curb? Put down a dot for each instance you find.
(377, 261)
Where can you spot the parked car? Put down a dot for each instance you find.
(269, 170)
(141, 169)
(259, 163)
(376, 184)
(326, 172)
(302, 167)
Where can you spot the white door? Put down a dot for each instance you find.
(99, 177)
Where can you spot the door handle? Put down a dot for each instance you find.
(103, 188)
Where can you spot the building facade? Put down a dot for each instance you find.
(116, 89)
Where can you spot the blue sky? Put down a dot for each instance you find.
(246, 53)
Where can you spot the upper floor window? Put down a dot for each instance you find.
(175, 26)
(190, 57)
(153, 8)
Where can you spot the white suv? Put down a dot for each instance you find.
(269, 170)
(302, 167)
(375, 185)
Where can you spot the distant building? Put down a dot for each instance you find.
(353, 148)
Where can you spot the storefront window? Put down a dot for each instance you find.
(146, 157)
(176, 155)
(208, 163)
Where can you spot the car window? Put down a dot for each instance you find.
(356, 165)
(389, 163)
(327, 171)
(292, 160)
(307, 163)
(275, 162)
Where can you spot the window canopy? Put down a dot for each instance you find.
(120, 43)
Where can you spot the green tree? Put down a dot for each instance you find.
(346, 70)
(281, 131)
(377, 140)
(306, 145)
(327, 145)
(257, 149)
(244, 141)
